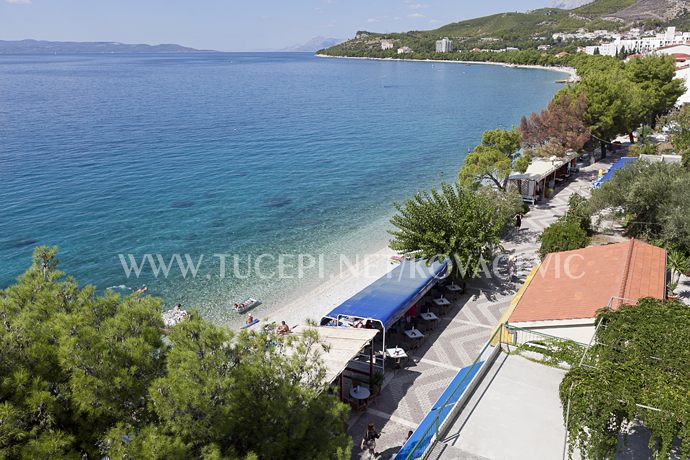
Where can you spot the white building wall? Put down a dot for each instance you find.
(579, 330)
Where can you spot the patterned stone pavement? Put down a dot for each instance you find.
(409, 393)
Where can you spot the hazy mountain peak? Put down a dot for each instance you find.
(315, 44)
(568, 4)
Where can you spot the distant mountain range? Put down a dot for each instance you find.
(315, 44)
(49, 47)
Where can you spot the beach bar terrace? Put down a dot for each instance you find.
(384, 302)
(541, 174)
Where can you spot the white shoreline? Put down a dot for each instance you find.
(561, 69)
(315, 303)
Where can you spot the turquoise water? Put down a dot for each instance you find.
(236, 153)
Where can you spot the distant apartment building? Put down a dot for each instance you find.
(544, 47)
(405, 50)
(387, 45)
(444, 45)
(640, 44)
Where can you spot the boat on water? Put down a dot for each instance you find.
(246, 305)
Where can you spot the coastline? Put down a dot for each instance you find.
(314, 302)
(561, 69)
(328, 294)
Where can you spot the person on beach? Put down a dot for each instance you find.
(518, 221)
(250, 319)
(283, 329)
(369, 440)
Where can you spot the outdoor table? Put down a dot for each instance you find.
(441, 301)
(429, 319)
(396, 353)
(428, 316)
(414, 334)
(454, 287)
(360, 393)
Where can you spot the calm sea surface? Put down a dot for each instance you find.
(238, 154)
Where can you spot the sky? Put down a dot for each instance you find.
(233, 25)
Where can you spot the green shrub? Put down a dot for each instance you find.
(579, 212)
(562, 235)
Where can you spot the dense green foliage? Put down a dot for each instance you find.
(84, 376)
(636, 371)
(614, 103)
(678, 124)
(570, 231)
(460, 224)
(562, 235)
(623, 96)
(492, 160)
(655, 76)
(652, 200)
(579, 212)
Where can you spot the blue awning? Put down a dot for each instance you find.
(388, 298)
(416, 446)
(614, 167)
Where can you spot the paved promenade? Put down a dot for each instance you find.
(408, 394)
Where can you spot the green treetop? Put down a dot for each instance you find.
(83, 375)
(655, 75)
(460, 224)
(614, 103)
(491, 160)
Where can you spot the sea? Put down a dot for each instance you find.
(208, 178)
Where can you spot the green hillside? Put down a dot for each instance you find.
(603, 7)
(522, 30)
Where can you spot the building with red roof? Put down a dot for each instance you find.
(563, 295)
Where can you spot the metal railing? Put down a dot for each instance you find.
(439, 419)
(553, 350)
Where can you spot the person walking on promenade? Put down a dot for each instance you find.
(369, 440)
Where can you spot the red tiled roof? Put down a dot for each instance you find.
(575, 284)
(673, 46)
(680, 56)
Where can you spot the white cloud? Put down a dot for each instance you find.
(416, 16)
(419, 6)
(372, 20)
(18, 2)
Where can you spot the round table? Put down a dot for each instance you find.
(360, 392)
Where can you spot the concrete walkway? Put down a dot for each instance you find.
(408, 395)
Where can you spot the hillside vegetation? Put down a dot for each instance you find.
(524, 30)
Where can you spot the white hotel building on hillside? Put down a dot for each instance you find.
(640, 44)
(444, 45)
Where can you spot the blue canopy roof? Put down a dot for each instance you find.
(417, 444)
(614, 167)
(388, 298)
